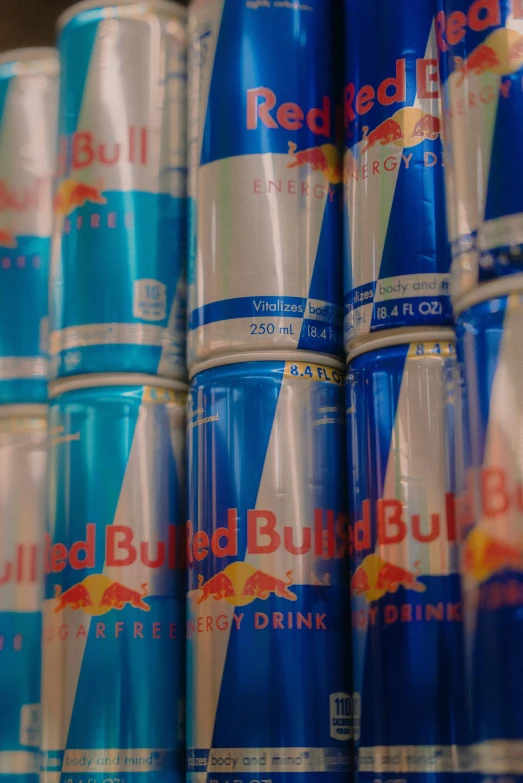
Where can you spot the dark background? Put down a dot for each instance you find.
(31, 22)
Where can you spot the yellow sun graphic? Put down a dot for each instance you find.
(238, 573)
(96, 584)
(407, 119)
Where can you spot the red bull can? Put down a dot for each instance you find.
(404, 439)
(268, 669)
(28, 120)
(397, 260)
(113, 682)
(118, 287)
(490, 518)
(480, 48)
(265, 190)
(23, 455)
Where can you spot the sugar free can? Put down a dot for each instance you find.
(480, 46)
(396, 254)
(406, 615)
(265, 178)
(491, 519)
(268, 650)
(114, 609)
(23, 454)
(118, 289)
(28, 118)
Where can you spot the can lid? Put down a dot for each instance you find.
(23, 411)
(401, 336)
(268, 356)
(33, 54)
(93, 380)
(91, 5)
(503, 286)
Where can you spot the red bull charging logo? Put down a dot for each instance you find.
(97, 595)
(241, 583)
(375, 577)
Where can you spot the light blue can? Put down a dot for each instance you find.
(113, 668)
(117, 276)
(28, 115)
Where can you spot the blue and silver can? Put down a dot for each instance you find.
(28, 121)
(265, 259)
(23, 455)
(396, 253)
(490, 516)
(113, 676)
(404, 438)
(268, 670)
(480, 45)
(118, 288)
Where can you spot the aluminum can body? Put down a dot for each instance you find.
(265, 175)
(113, 613)
(481, 65)
(406, 616)
(28, 122)
(490, 513)
(118, 287)
(268, 660)
(397, 261)
(23, 455)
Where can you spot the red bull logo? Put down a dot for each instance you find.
(84, 149)
(241, 583)
(375, 577)
(406, 128)
(329, 541)
(325, 158)
(72, 194)
(122, 548)
(29, 199)
(97, 595)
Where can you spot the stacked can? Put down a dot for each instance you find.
(403, 402)
(113, 694)
(267, 629)
(481, 64)
(28, 109)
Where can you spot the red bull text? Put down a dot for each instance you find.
(490, 521)
(114, 560)
(118, 287)
(406, 614)
(396, 257)
(480, 47)
(267, 549)
(273, 147)
(28, 120)
(23, 456)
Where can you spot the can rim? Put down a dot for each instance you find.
(91, 5)
(25, 54)
(491, 290)
(268, 356)
(100, 379)
(402, 336)
(23, 410)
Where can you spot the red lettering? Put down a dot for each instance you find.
(88, 547)
(119, 537)
(433, 533)
(484, 14)
(229, 533)
(290, 116)
(361, 531)
(267, 530)
(398, 84)
(293, 548)
(255, 110)
(390, 515)
(146, 559)
(200, 545)
(426, 77)
(83, 154)
(365, 99)
(350, 93)
(494, 496)
(440, 32)
(319, 120)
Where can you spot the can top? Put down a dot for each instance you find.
(268, 356)
(503, 286)
(92, 5)
(38, 58)
(100, 379)
(401, 336)
(23, 411)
